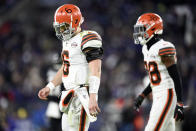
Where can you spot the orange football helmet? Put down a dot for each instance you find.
(146, 26)
(67, 20)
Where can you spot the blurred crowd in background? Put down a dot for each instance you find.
(28, 44)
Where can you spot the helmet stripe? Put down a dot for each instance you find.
(56, 13)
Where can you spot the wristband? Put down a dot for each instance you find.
(94, 83)
(51, 86)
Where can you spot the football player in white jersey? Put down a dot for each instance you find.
(160, 62)
(81, 54)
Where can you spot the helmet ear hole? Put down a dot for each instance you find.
(159, 32)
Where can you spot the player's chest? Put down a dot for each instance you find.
(151, 59)
(150, 56)
(72, 48)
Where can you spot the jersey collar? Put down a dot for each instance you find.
(151, 42)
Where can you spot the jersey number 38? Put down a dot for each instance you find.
(154, 73)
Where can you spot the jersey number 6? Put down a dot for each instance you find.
(155, 76)
(65, 57)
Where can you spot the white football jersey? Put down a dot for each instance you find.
(75, 71)
(158, 74)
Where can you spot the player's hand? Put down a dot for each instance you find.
(179, 112)
(43, 93)
(138, 102)
(93, 106)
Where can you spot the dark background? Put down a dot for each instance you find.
(28, 42)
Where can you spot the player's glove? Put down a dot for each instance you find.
(138, 102)
(179, 112)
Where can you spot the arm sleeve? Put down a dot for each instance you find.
(93, 53)
(147, 91)
(173, 72)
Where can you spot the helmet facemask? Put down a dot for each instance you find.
(63, 31)
(140, 35)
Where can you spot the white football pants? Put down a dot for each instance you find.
(76, 119)
(162, 111)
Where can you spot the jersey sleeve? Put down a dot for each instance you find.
(91, 39)
(167, 49)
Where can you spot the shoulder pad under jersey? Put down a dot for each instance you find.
(166, 48)
(90, 39)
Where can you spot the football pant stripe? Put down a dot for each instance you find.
(165, 110)
(82, 120)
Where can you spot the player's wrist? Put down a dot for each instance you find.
(51, 86)
(93, 96)
(94, 83)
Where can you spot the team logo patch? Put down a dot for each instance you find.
(74, 45)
